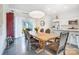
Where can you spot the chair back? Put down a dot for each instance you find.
(63, 41)
(42, 30)
(27, 35)
(47, 31)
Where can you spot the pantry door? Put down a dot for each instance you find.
(10, 24)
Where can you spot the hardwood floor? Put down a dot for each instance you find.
(20, 48)
(71, 50)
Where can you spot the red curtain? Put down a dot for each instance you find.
(10, 24)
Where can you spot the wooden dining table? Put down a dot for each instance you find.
(43, 37)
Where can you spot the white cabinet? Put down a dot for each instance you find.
(74, 38)
(77, 41)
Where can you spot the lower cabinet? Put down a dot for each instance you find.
(77, 36)
(73, 38)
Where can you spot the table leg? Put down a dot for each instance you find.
(42, 47)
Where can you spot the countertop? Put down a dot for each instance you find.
(72, 30)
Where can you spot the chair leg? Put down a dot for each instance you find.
(55, 39)
(64, 53)
(28, 45)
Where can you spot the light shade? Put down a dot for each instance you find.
(36, 14)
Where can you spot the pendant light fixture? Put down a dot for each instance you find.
(37, 14)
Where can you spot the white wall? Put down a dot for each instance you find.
(46, 19)
(3, 28)
(18, 26)
(1, 24)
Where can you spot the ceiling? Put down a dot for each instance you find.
(49, 9)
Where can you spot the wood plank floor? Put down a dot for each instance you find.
(20, 48)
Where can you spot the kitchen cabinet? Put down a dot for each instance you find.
(74, 38)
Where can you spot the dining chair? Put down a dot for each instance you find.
(55, 47)
(33, 43)
(41, 30)
(47, 31)
(25, 34)
(56, 39)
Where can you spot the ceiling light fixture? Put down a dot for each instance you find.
(36, 14)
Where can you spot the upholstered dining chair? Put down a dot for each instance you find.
(25, 34)
(47, 31)
(33, 43)
(41, 30)
(55, 47)
(56, 39)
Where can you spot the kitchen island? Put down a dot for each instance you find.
(73, 35)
